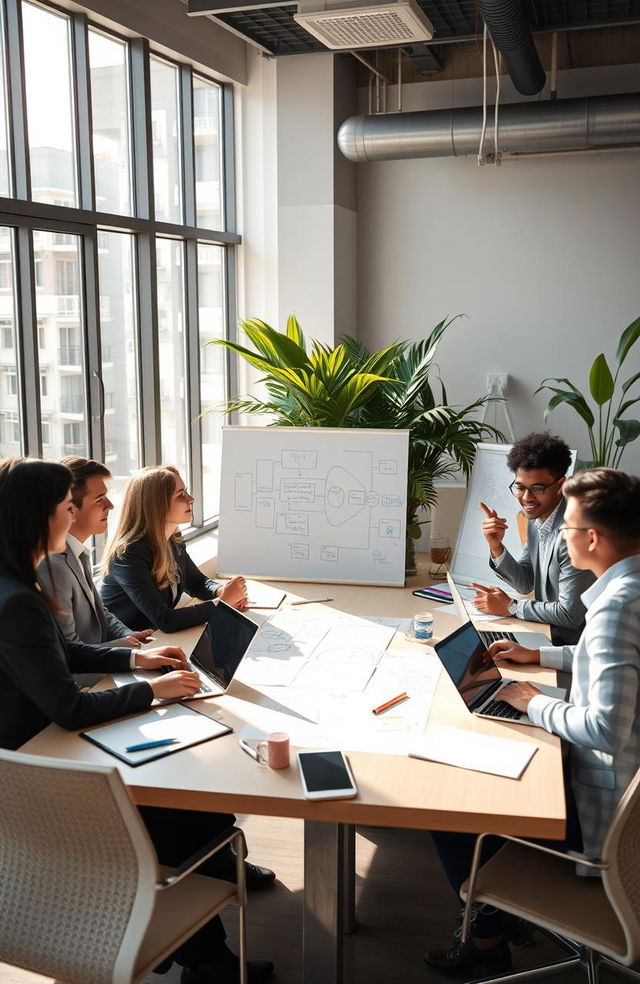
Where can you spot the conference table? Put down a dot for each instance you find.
(393, 791)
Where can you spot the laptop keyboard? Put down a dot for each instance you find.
(489, 637)
(204, 687)
(500, 709)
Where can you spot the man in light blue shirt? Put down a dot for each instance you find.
(540, 463)
(600, 720)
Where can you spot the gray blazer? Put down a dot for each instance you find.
(84, 618)
(556, 585)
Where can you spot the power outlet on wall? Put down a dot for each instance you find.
(497, 383)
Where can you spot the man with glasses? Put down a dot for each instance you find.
(600, 720)
(540, 463)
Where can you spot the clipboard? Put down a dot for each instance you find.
(177, 721)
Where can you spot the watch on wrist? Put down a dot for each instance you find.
(512, 607)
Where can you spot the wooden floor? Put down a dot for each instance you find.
(404, 907)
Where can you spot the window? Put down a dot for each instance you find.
(50, 109)
(91, 378)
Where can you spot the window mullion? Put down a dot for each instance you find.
(228, 159)
(93, 380)
(146, 269)
(82, 103)
(28, 342)
(193, 378)
(187, 144)
(17, 99)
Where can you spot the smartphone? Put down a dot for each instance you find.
(326, 775)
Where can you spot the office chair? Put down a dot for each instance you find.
(82, 897)
(596, 919)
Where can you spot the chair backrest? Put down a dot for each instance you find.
(76, 870)
(621, 881)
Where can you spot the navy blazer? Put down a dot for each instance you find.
(37, 666)
(131, 594)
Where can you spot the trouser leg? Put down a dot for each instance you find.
(176, 834)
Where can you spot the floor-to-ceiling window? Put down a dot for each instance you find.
(117, 243)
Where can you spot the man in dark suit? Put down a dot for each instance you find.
(540, 463)
(83, 616)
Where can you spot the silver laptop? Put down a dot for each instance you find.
(524, 637)
(216, 657)
(477, 679)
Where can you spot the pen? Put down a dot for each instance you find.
(249, 749)
(310, 601)
(143, 745)
(390, 703)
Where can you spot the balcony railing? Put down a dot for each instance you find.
(68, 305)
(72, 403)
(77, 450)
(70, 355)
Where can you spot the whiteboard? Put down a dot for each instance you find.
(314, 504)
(489, 483)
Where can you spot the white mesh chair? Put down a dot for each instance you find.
(82, 897)
(597, 919)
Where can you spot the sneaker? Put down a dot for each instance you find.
(463, 957)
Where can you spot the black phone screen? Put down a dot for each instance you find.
(324, 770)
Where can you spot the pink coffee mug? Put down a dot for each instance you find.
(277, 744)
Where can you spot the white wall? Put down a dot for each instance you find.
(540, 254)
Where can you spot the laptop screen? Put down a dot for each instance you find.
(222, 646)
(464, 657)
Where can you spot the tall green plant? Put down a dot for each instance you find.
(348, 386)
(609, 430)
(323, 388)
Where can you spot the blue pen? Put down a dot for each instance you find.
(150, 744)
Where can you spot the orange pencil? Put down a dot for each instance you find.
(390, 703)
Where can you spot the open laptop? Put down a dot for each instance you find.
(216, 657)
(526, 638)
(476, 677)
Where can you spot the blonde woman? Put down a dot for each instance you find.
(147, 567)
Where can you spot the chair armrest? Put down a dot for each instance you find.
(475, 865)
(194, 862)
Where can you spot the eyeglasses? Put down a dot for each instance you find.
(581, 529)
(536, 490)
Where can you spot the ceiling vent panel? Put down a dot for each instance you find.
(374, 26)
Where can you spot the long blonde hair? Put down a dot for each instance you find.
(146, 504)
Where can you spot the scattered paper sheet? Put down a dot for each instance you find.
(472, 612)
(469, 750)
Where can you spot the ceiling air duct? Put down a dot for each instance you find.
(525, 128)
(509, 28)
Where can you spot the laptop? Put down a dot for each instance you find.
(477, 679)
(526, 638)
(216, 657)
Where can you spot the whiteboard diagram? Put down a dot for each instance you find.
(314, 504)
(489, 483)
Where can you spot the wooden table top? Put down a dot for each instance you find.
(393, 790)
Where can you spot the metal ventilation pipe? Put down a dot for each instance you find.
(509, 28)
(528, 127)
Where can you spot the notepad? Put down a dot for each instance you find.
(469, 750)
(263, 595)
(189, 727)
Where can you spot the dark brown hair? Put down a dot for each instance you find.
(540, 451)
(30, 490)
(609, 501)
(82, 469)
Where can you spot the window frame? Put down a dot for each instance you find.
(23, 216)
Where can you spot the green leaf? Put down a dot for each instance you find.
(625, 406)
(626, 385)
(629, 431)
(628, 338)
(414, 531)
(601, 381)
(578, 403)
(294, 331)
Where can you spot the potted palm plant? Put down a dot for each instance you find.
(348, 386)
